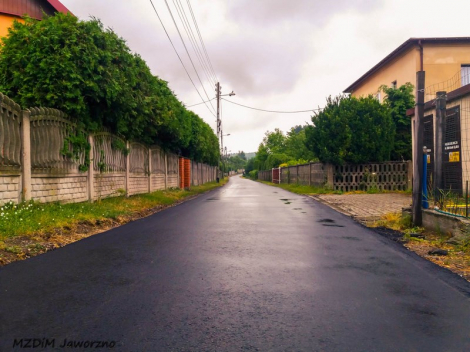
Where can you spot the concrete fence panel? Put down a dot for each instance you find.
(172, 171)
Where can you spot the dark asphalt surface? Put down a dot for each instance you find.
(247, 267)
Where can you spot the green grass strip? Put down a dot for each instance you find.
(39, 218)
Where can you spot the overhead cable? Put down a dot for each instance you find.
(186, 49)
(189, 76)
(275, 111)
(190, 33)
(202, 41)
(202, 102)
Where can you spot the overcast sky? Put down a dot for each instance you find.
(283, 55)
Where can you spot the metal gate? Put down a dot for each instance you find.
(276, 175)
(452, 155)
(428, 142)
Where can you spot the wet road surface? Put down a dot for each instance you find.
(247, 267)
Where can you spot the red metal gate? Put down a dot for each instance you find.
(276, 175)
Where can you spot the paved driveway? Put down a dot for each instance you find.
(366, 207)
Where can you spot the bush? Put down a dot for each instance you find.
(351, 130)
(253, 174)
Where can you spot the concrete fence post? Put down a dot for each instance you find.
(150, 170)
(330, 175)
(91, 173)
(310, 174)
(128, 167)
(26, 157)
(409, 167)
(166, 171)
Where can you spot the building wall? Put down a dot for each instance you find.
(402, 69)
(6, 22)
(441, 63)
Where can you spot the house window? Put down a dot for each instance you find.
(465, 74)
(377, 96)
(394, 84)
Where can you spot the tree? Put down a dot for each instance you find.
(399, 100)
(89, 73)
(296, 146)
(352, 130)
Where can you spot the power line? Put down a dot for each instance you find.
(186, 49)
(190, 33)
(189, 76)
(202, 102)
(201, 40)
(279, 112)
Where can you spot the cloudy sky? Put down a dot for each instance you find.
(283, 55)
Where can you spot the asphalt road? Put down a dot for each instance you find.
(247, 267)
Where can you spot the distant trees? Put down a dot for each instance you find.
(352, 130)
(89, 73)
(278, 148)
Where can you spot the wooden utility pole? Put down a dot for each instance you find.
(418, 150)
(441, 102)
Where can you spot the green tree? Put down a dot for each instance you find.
(296, 146)
(352, 130)
(399, 100)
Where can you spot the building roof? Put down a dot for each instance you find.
(410, 43)
(33, 8)
(59, 6)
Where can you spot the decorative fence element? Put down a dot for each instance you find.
(10, 134)
(139, 159)
(392, 176)
(51, 145)
(45, 157)
(381, 176)
(158, 160)
(108, 153)
(172, 164)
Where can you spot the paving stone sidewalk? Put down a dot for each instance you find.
(366, 207)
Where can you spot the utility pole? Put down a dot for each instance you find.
(441, 99)
(219, 122)
(418, 150)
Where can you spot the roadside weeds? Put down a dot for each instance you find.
(30, 229)
(422, 242)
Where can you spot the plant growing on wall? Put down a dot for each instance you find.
(75, 146)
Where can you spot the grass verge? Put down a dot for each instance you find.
(304, 189)
(28, 229)
(301, 189)
(422, 241)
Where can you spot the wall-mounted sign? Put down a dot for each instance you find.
(452, 145)
(454, 157)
